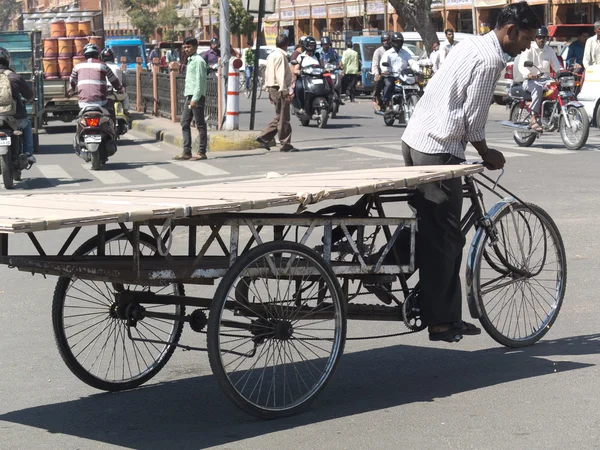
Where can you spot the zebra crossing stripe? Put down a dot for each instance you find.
(373, 153)
(201, 167)
(106, 176)
(157, 173)
(151, 147)
(55, 174)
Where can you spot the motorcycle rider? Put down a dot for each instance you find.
(398, 60)
(328, 55)
(212, 55)
(543, 58)
(108, 56)
(19, 87)
(306, 59)
(376, 70)
(89, 78)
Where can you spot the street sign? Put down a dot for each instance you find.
(252, 6)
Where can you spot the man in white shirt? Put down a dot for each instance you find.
(447, 46)
(434, 57)
(452, 112)
(278, 78)
(543, 58)
(393, 62)
(591, 53)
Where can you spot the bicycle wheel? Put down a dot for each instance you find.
(277, 328)
(518, 309)
(93, 341)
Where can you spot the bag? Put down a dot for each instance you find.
(8, 106)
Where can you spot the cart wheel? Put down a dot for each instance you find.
(518, 310)
(275, 350)
(94, 343)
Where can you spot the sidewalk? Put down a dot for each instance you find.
(170, 132)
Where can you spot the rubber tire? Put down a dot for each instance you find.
(585, 124)
(63, 346)
(7, 171)
(96, 160)
(214, 321)
(304, 122)
(324, 117)
(389, 119)
(484, 320)
(499, 99)
(412, 100)
(334, 111)
(521, 143)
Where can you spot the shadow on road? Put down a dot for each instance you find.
(46, 183)
(193, 413)
(58, 129)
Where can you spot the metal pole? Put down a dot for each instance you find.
(261, 13)
(224, 38)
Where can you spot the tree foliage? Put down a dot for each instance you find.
(241, 22)
(417, 13)
(169, 20)
(8, 9)
(142, 14)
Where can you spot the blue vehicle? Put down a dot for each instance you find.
(365, 46)
(130, 47)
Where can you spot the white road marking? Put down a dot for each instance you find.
(201, 167)
(157, 173)
(374, 153)
(151, 147)
(106, 176)
(55, 174)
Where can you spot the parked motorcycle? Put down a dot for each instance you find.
(560, 112)
(318, 96)
(12, 158)
(96, 138)
(404, 99)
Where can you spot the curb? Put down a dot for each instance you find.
(218, 141)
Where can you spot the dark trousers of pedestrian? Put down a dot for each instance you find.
(389, 83)
(439, 241)
(197, 114)
(281, 123)
(348, 84)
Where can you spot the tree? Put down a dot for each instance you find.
(169, 20)
(418, 14)
(8, 9)
(143, 15)
(241, 22)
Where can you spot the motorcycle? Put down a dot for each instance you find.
(404, 99)
(560, 112)
(12, 158)
(96, 137)
(335, 75)
(318, 96)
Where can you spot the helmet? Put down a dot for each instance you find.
(543, 32)
(90, 51)
(214, 41)
(309, 44)
(326, 41)
(107, 55)
(397, 39)
(385, 36)
(4, 56)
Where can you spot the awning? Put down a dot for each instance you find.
(566, 32)
(489, 3)
(286, 23)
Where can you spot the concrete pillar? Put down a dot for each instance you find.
(138, 83)
(174, 66)
(155, 69)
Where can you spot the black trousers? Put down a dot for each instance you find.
(439, 240)
(388, 88)
(197, 114)
(348, 84)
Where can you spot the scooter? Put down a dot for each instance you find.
(404, 99)
(318, 96)
(12, 158)
(335, 75)
(96, 137)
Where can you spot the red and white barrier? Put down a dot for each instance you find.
(232, 122)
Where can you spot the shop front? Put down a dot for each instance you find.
(303, 25)
(459, 15)
(437, 14)
(487, 12)
(336, 15)
(319, 21)
(286, 24)
(569, 13)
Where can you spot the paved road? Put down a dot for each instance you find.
(393, 393)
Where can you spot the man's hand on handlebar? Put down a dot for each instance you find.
(493, 159)
(533, 76)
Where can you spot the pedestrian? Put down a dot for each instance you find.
(452, 112)
(195, 97)
(447, 46)
(154, 53)
(278, 79)
(591, 54)
(249, 61)
(434, 57)
(351, 67)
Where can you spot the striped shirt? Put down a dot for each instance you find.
(90, 80)
(456, 103)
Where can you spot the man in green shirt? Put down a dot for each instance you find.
(351, 67)
(195, 96)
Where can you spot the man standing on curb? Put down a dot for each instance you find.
(278, 78)
(195, 94)
(350, 65)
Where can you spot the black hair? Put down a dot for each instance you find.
(520, 15)
(191, 41)
(349, 44)
(449, 30)
(282, 41)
